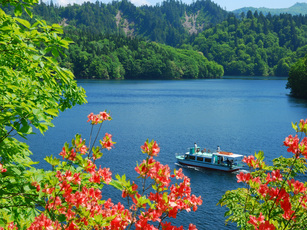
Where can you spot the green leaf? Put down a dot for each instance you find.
(55, 52)
(53, 112)
(18, 10)
(28, 11)
(26, 188)
(26, 129)
(16, 170)
(294, 126)
(116, 184)
(23, 22)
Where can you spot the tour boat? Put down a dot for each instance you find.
(219, 160)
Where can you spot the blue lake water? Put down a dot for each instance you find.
(241, 115)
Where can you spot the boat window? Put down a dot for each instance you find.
(192, 157)
(199, 158)
(207, 159)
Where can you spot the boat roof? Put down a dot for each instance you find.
(206, 154)
(233, 155)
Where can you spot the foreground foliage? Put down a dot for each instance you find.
(33, 88)
(272, 198)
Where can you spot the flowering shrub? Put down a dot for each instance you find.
(272, 198)
(70, 196)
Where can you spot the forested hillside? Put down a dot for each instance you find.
(120, 57)
(252, 44)
(255, 44)
(168, 23)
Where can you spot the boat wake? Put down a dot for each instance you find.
(188, 167)
(242, 170)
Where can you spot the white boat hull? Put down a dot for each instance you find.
(208, 166)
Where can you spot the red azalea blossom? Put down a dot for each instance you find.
(192, 227)
(151, 148)
(35, 184)
(296, 186)
(83, 149)
(63, 153)
(243, 177)
(42, 222)
(105, 174)
(286, 206)
(104, 115)
(292, 144)
(266, 226)
(90, 167)
(99, 118)
(263, 190)
(107, 141)
(274, 176)
(250, 161)
(12, 226)
(47, 190)
(258, 222)
(2, 169)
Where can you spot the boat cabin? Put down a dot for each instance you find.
(217, 158)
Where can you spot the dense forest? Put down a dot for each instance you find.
(255, 44)
(169, 22)
(120, 57)
(118, 40)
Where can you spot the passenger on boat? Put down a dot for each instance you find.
(218, 148)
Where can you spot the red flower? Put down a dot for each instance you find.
(250, 161)
(266, 226)
(2, 169)
(192, 227)
(276, 176)
(296, 186)
(257, 221)
(242, 177)
(99, 118)
(286, 206)
(292, 143)
(107, 141)
(151, 148)
(105, 174)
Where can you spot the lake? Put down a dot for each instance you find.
(241, 115)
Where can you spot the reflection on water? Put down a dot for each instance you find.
(298, 102)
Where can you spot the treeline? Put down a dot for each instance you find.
(252, 44)
(163, 23)
(120, 57)
(255, 44)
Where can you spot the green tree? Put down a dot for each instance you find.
(297, 81)
(33, 88)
